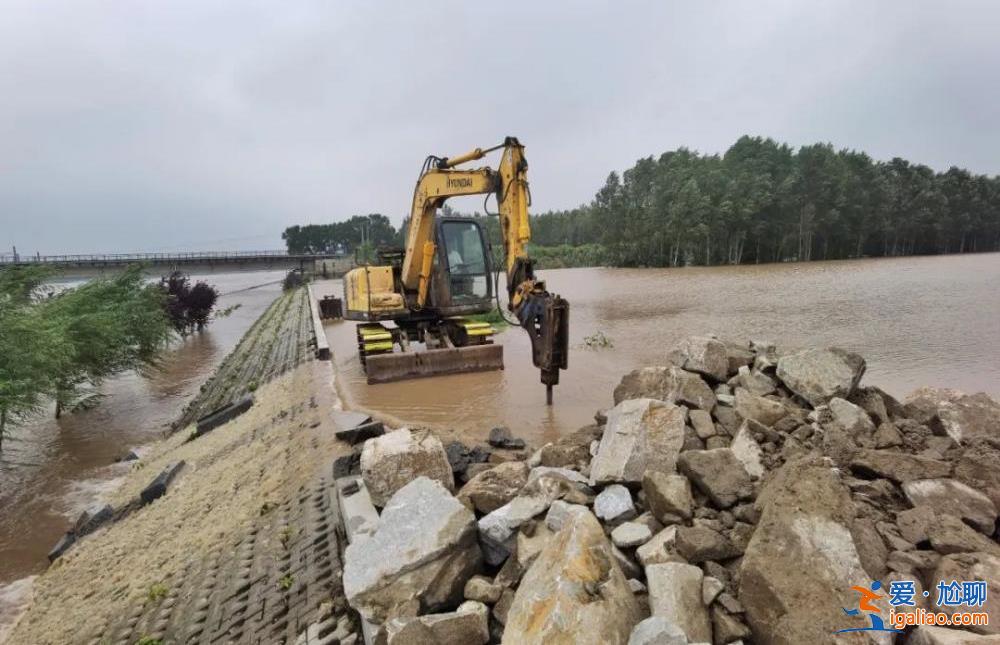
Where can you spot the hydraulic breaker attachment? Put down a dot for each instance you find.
(545, 317)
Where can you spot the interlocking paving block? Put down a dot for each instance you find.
(267, 586)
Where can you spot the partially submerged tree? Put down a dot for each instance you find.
(111, 325)
(61, 345)
(33, 351)
(189, 308)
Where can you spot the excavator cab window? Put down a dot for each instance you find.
(465, 252)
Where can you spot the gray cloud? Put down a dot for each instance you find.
(183, 125)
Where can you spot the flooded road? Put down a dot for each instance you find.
(51, 470)
(918, 321)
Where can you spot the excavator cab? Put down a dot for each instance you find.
(461, 283)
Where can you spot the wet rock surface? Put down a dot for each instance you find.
(733, 495)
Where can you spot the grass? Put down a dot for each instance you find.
(493, 317)
(286, 581)
(598, 340)
(157, 592)
(149, 640)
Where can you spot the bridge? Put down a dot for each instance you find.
(196, 261)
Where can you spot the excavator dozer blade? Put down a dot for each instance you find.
(385, 368)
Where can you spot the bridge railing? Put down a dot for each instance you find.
(119, 258)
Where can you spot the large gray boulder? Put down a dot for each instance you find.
(574, 592)
(818, 375)
(418, 560)
(669, 383)
(702, 354)
(640, 434)
(467, 625)
(950, 497)
(396, 458)
(675, 594)
(802, 559)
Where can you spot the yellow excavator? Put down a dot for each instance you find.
(431, 289)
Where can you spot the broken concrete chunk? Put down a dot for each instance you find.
(630, 534)
(765, 411)
(482, 589)
(356, 509)
(467, 624)
(657, 630)
(951, 497)
(671, 384)
(574, 592)
(491, 489)
(748, 451)
(614, 504)
(667, 495)
(501, 437)
(702, 423)
(818, 375)
(423, 552)
(395, 459)
(900, 467)
(640, 434)
(497, 529)
(718, 474)
(702, 354)
(853, 419)
(675, 594)
(659, 549)
(700, 543)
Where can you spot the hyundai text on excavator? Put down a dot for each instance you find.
(430, 289)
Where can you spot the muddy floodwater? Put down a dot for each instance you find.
(918, 321)
(52, 470)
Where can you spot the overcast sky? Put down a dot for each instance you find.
(184, 125)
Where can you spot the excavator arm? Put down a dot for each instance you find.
(543, 315)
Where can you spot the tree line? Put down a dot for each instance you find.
(58, 345)
(760, 201)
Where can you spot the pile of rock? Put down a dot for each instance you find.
(732, 494)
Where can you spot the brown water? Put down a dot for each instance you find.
(51, 470)
(918, 321)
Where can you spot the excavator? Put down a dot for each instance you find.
(431, 290)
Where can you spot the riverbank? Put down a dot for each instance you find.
(230, 481)
(719, 487)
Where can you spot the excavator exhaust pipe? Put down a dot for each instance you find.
(386, 368)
